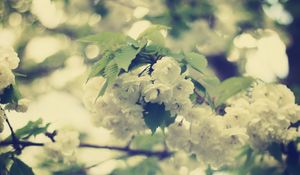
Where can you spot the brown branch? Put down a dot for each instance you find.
(15, 139)
(129, 151)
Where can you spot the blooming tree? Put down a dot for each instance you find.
(147, 94)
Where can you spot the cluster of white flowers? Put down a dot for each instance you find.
(9, 60)
(204, 133)
(64, 147)
(259, 117)
(120, 109)
(267, 113)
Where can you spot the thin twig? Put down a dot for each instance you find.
(15, 139)
(130, 152)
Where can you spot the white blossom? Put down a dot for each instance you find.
(6, 76)
(183, 89)
(157, 93)
(64, 147)
(210, 138)
(9, 57)
(166, 70)
(178, 136)
(22, 105)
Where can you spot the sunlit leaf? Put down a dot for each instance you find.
(111, 72)
(107, 40)
(99, 66)
(231, 87)
(32, 128)
(154, 34)
(197, 61)
(124, 56)
(146, 142)
(148, 166)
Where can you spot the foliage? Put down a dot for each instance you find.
(145, 167)
(32, 128)
(156, 116)
(20, 168)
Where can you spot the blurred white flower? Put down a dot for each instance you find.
(6, 77)
(23, 105)
(9, 57)
(166, 70)
(64, 147)
(47, 12)
(269, 60)
(140, 12)
(157, 92)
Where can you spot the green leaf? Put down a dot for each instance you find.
(4, 161)
(107, 40)
(205, 83)
(153, 34)
(71, 170)
(124, 56)
(99, 66)
(20, 168)
(148, 166)
(231, 87)
(275, 150)
(195, 60)
(111, 72)
(11, 95)
(103, 89)
(156, 116)
(147, 141)
(32, 128)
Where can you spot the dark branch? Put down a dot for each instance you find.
(132, 152)
(15, 139)
(129, 151)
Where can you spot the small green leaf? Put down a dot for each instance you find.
(275, 150)
(107, 40)
(4, 161)
(99, 66)
(124, 56)
(231, 87)
(147, 141)
(11, 95)
(206, 79)
(111, 72)
(148, 166)
(32, 128)
(153, 34)
(156, 116)
(103, 89)
(197, 61)
(20, 168)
